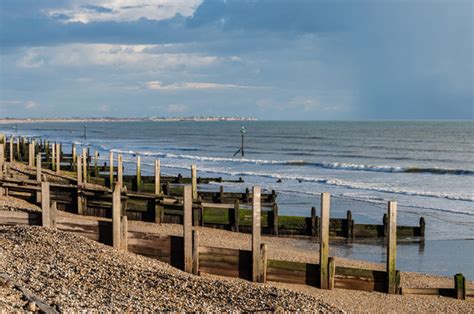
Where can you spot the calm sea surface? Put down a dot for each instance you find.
(426, 166)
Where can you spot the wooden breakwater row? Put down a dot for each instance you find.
(186, 253)
(93, 201)
(52, 157)
(221, 209)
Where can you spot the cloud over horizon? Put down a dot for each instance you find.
(284, 60)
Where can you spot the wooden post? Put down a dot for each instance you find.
(53, 157)
(331, 272)
(120, 170)
(45, 205)
(111, 168)
(221, 194)
(422, 226)
(314, 223)
(2, 158)
(194, 181)
(38, 175)
(84, 165)
(31, 154)
(18, 151)
(54, 213)
(256, 230)
(74, 157)
(80, 202)
(157, 177)
(385, 224)
(187, 228)
(235, 216)
(263, 268)
(275, 219)
(116, 211)
(324, 240)
(124, 233)
(460, 287)
(11, 159)
(350, 225)
(139, 175)
(58, 157)
(195, 253)
(392, 248)
(96, 163)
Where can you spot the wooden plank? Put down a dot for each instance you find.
(256, 230)
(116, 210)
(58, 158)
(187, 228)
(45, 205)
(324, 240)
(11, 218)
(292, 272)
(392, 248)
(263, 269)
(31, 154)
(236, 216)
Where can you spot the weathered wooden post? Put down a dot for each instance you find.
(157, 177)
(221, 194)
(120, 170)
(331, 272)
(194, 182)
(54, 213)
(2, 139)
(116, 212)
(460, 287)
(111, 168)
(18, 151)
(31, 155)
(11, 159)
(256, 230)
(422, 226)
(263, 263)
(349, 225)
(74, 156)
(38, 176)
(392, 248)
(53, 157)
(2, 158)
(187, 228)
(385, 225)
(96, 163)
(324, 240)
(139, 175)
(45, 205)
(235, 216)
(124, 233)
(80, 200)
(275, 219)
(84, 165)
(58, 157)
(314, 223)
(195, 252)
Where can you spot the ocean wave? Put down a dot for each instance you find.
(325, 165)
(335, 182)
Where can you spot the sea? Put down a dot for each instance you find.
(426, 166)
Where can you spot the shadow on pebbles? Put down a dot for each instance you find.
(69, 272)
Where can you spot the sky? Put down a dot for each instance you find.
(282, 60)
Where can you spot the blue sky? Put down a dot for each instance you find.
(318, 59)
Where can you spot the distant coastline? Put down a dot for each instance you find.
(110, 119)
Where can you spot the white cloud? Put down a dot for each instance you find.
(157, 85)
(86, 11)
(31, 105)
(136, 56)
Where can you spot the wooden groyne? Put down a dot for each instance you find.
(86, 189)
(186, 253)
